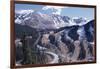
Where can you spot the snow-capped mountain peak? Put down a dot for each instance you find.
(45, 21)
(22, 15)
(79, 20)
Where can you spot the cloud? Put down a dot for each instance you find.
(24, 11)
(58, 11)
(55, 9)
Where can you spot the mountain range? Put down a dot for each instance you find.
(66, 31)
(45, 21)
(42, 22)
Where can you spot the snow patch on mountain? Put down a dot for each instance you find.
(45, 21)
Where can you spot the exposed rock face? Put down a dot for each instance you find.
(44, 21)
(59, 39)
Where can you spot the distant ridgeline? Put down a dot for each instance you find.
(39, 28)
(88, 30)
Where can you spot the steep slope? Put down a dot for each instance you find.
(44, 21)
(65, 30)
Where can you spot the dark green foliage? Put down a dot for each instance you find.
(21, 30)
(19, 53)
(89, 34)
(27, 52)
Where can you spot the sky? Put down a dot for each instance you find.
(87, 13)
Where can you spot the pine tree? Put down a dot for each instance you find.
(27, 51)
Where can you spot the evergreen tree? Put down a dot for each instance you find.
(27, 51)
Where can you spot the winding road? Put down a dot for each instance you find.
(55, 57)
